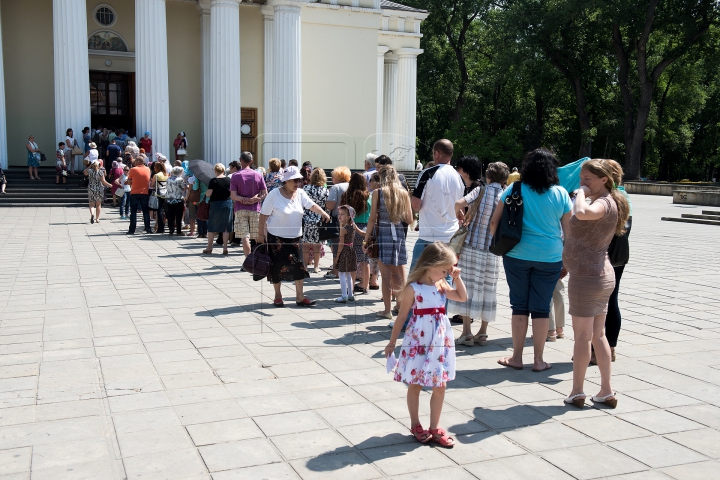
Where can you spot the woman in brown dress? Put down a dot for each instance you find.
(599, 212)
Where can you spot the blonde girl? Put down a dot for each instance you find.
(600, 211)
(427, 354)
(392, 203)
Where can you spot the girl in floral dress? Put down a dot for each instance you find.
(427, 355)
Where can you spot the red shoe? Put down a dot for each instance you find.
(278, 302)
(306, 302)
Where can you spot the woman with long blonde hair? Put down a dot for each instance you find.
(392, 204)
(600, 211)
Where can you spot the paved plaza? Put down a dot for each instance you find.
(137, 357)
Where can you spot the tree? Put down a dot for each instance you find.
(653, 42)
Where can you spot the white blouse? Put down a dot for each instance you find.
(284, 215)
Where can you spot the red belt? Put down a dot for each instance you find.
(429, 311)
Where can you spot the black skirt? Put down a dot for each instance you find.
(287, 259)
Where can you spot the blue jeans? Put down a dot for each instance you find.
(125, 205)
(141, 201)
(531, 285)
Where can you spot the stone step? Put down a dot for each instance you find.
(691, 220)
(43, 205)
(711, 212)
(701, 217)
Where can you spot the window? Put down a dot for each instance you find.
(107, 40)
(105, 15)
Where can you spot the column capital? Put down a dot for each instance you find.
(382, 50)
(231, 3)
(289, 3)
(408, 52)
(268, 12)
(203, 6)
(391, 57)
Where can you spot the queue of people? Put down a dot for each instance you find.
(563, 233)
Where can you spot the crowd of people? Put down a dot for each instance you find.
(290, 212)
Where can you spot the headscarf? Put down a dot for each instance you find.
(100, 161)
(351, 211)
(115, 164)
(162, 158)
(186, 168)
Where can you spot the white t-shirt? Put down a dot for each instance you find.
(439, 187)
(69, 143)
(285, 216)
(123, 179)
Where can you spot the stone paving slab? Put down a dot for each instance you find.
(138, 357)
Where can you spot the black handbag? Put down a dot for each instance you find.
(43, 158)
(258, 263)
(327, 231)
(84, 181)
(619, 249)
(509, 232)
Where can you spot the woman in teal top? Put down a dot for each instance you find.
(202, 225)
(358, 197)
(533, 266)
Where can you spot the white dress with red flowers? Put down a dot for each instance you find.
(427, 355)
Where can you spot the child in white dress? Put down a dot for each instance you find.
(427, 354)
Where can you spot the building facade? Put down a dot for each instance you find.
(326, 81)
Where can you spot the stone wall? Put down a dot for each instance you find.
(708, 198)
(667, 189)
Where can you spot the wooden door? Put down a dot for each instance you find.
(248, 121)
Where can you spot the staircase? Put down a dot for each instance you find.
(708, 217)
(23, 192)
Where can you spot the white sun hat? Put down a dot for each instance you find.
(291, 173)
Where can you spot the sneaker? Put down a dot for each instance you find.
(341, 300)
(330, 275)
(359, 289)
(351, 298)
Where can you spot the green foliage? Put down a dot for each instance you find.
(502, 77)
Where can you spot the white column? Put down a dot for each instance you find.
(226, 138)
(268, 130)
(382, 50)
(390, 105)
(72, 72)
(287, 82)
(152, 98)
(204, 7)
(3, 120)
(406, 107)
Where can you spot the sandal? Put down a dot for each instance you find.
(374, 287)
(92, 219)
(578, 400)
(207, 251)
(467, 340)
(505, 362)
(551, 338)
(420, 434)
(225, 251)
(443, 439)
(306, 302)
(278, 302)
(387, 315)
(480, 339)
(546, 366)
(609, 400)
(560, 334)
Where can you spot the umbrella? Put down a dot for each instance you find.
(569, 174)
(202, 170)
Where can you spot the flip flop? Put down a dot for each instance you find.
(546, 367)
(506, 364)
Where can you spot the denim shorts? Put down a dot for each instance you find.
(531, 285)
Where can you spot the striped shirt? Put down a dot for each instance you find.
(478, 232)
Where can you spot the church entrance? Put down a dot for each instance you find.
(112, 100)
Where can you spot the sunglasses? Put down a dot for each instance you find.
(298, 180)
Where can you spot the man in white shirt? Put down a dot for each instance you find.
(369, 167)
(437, 190)
(434, 197)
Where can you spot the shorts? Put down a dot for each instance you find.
(192, 211)
(531, 285)
(246, 223)
(59, 167)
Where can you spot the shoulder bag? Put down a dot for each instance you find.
(258, 263)
(193, 196)
(76, 150)
(203, 211)
(619, 249)
(458, 239)
(84, 181)
(509, 231)
(329, 230)
(153, 201)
